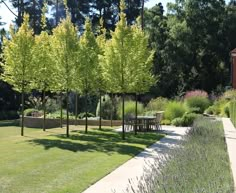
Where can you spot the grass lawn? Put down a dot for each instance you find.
(50, 162)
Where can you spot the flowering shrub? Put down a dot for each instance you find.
(196, 93)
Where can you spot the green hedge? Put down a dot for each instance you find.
(232, 112)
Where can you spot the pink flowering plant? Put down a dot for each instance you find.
(196, 93)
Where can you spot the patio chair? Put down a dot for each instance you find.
(156, 123)
(129, 123)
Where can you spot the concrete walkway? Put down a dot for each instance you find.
(118, 180)
(230, 136)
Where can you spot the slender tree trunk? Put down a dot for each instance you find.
(67, 113)
(136, 113)
(112, 110)
(100, 113)
(76, 108)
(34, 16)
(142, 15)
(61, 111)
(123, 116)
(57, 13)
(22, 110)
(44, 111)
(86, 112)
(20, 4)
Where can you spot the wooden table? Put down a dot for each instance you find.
(145, 120)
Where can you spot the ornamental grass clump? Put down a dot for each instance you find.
(197, 101)
(199, 164)
(130, 109)
(174, 109)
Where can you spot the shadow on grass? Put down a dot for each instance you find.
(104, 140)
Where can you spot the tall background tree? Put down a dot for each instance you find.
(191, 44)
(65, 48)
(116, 61)
(88, 64)
(18, 65)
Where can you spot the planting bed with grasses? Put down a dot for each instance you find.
(199, 165)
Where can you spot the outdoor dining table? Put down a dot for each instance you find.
(145, 120)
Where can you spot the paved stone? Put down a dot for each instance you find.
(118, 181)
(230, 136)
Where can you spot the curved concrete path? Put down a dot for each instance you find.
(230, 138)
(118, 180)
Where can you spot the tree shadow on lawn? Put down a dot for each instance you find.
(105, 140)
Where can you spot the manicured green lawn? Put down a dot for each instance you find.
(50, 162)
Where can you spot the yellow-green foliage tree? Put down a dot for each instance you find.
(44, 75)
(65, 49)
(88, 64)
(45, 69)
(18, 65)
(142, 64)
(116, 61)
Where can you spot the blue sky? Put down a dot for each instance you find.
(7, 16)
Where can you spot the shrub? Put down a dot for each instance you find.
(52, 105)
(130, 109)
(107, 108)
(82, 115)
(37, 103)
(174, 110)
(196, 93)
(8, 115)
(218, 108)
(189, 118)
(226, 109)
(30, 112)
(185, 121)
(210, 110)
(190, 168)
(229, 95)
(232, 112)
(57, 114)
(200, 104)
(165, 122)
(150, 113)
(158, 104)
(177, 122)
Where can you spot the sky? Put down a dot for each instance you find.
(7, 16)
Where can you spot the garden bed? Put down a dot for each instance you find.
(200, 164)
(36, 122)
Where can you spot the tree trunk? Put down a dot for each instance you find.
(67, 113)
(112, 110)
(86, 112)
(76, 108)
(100, 113)
(22, 110)
(123, 116)
(44, 111)
(57, 13)
(34, 16)
(136, 114)
(142, 15)
(61, 112)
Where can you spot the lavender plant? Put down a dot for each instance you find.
(199, 165)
